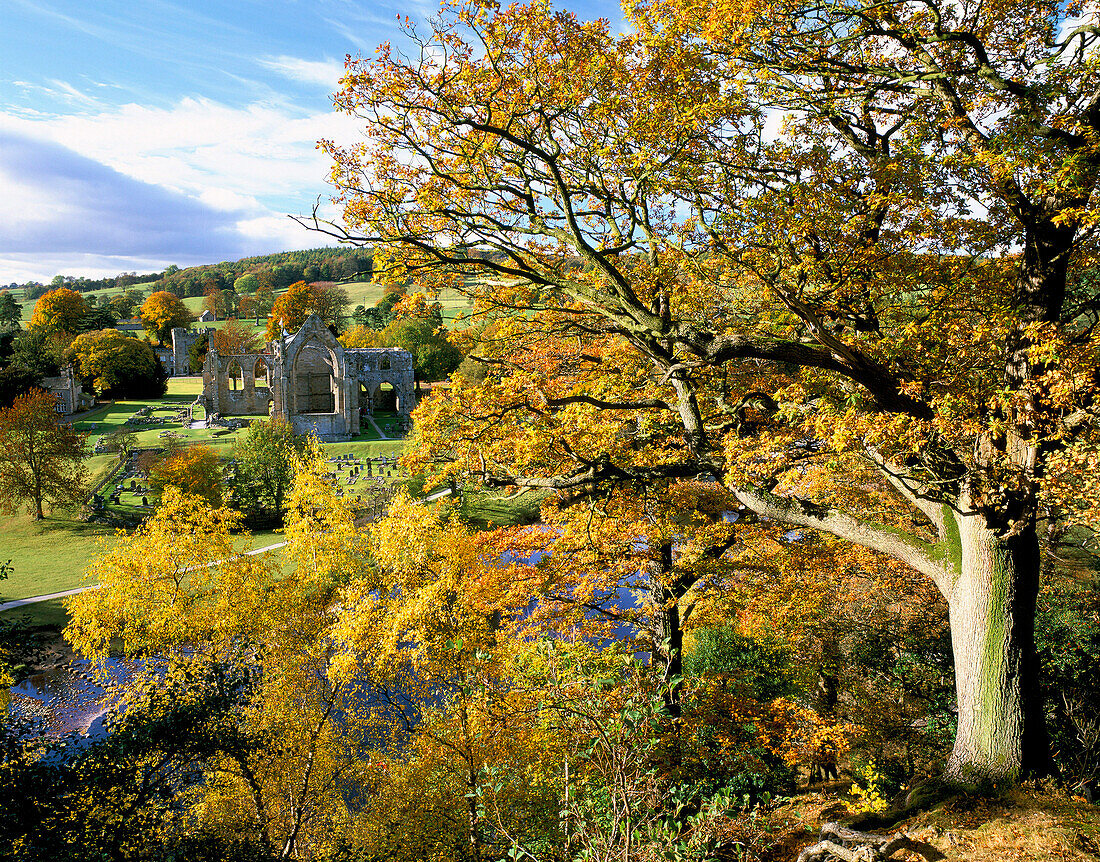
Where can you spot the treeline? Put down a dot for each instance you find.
(276, 270)
(82, 284)
(286, 267)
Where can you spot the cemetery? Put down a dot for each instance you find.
(124, 438)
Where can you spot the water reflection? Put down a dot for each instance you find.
(71, 698)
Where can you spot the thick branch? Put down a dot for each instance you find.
(919, 554)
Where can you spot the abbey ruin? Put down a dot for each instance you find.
(309, 379)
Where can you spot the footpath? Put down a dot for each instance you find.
(18, 603)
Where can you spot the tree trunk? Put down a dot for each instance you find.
(1000, 735)
(669, 648)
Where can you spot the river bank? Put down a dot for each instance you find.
(36, 649)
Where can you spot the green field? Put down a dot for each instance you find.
(109, 418)
(50, 556)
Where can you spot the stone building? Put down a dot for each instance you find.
(312, 381)
(67, 392)
(174, 358)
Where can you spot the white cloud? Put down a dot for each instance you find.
(72, 211)
(325, 74)
(265, 152)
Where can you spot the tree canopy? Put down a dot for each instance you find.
(59, 311)
(162, 312)
(290, 309)
(831, 317)
(118, 365)
(41, 461)
(261, 481)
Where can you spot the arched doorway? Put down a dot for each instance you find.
(314, 379)
(259, 375)
(385, 399)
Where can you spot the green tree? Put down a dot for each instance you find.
(247, 283)
(38, 351)
(434, 356)
(11, 312)
(15, 380)
(264, 471)
(41, 461)
(196, 354)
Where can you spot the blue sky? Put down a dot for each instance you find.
(138, 134)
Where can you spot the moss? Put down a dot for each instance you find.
(994, 656)
(951, 544)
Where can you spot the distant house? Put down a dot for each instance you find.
(67, 392)
(207, 316)
(134, 325)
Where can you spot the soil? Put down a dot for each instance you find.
(1025, 824)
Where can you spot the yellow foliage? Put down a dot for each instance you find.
(176, 581)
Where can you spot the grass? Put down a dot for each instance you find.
(49, 556)
(51, 614)
(485, 510)
(367, 293)
(182, 391)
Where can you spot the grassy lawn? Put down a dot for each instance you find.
(486, 510)
(49, 555)
(182, 391)
(367, 293)
(51, 613)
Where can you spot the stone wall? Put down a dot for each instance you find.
(312, 382)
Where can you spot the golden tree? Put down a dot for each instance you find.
(59, 311)
(41, 460)
(162, 312)
(178, 592)
(780, 310)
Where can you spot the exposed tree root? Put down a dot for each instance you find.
(849, 845)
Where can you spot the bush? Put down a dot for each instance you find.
(1067, 637)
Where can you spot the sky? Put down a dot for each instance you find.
(134, 135)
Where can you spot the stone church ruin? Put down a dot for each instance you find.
(312, 381)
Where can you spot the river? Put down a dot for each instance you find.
(67, 699)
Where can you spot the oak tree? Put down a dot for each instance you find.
(795, 304)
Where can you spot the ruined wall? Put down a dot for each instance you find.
(182, 339)
(237, 385)
(312, 382)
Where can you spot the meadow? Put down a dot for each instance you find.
(51, 555)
